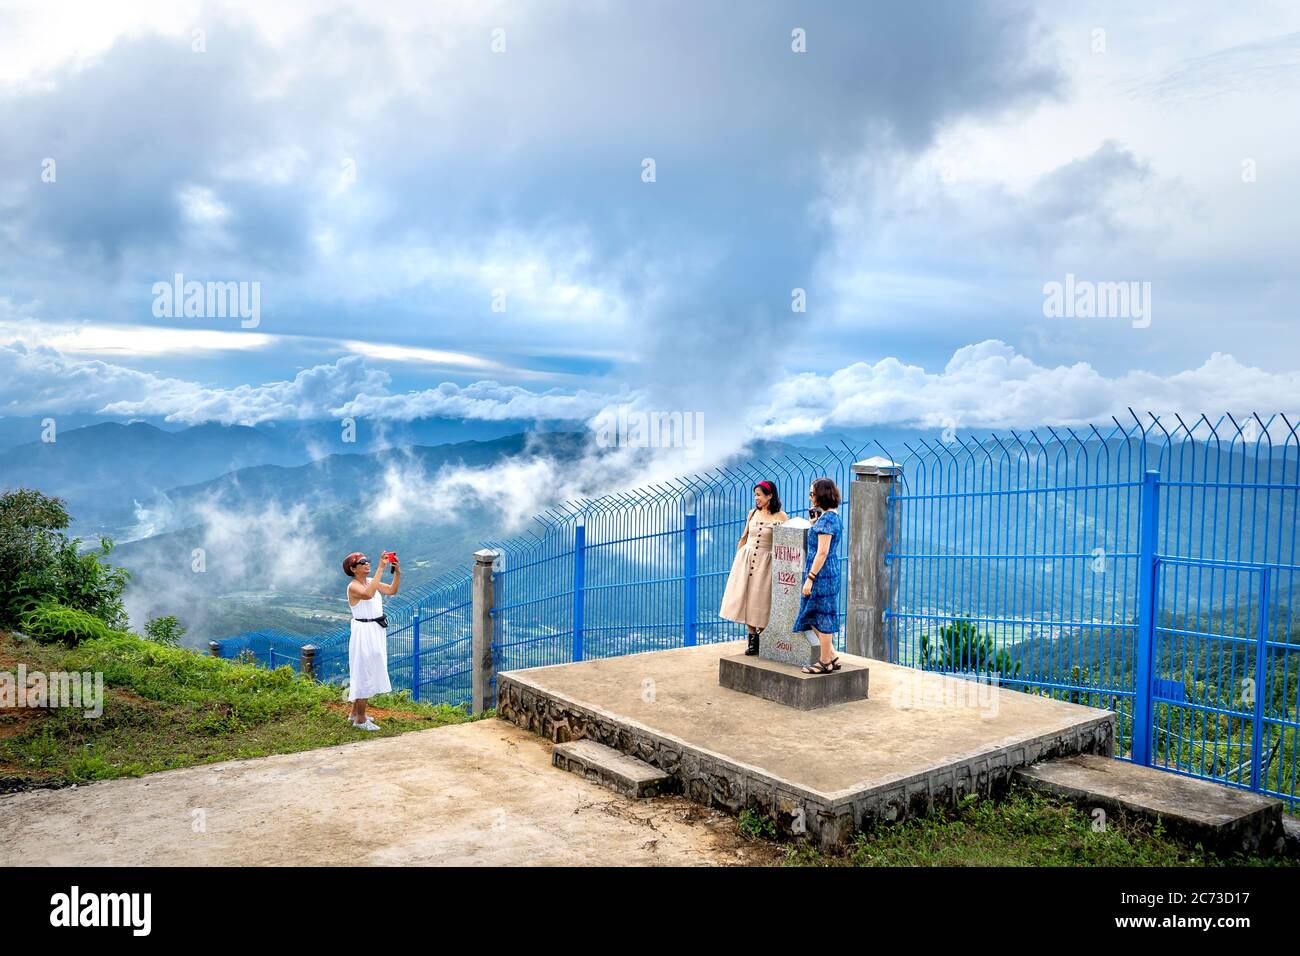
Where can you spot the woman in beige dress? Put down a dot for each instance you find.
(748, 596)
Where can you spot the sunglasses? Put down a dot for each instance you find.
(361, 561)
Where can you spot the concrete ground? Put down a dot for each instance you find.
(483, 793)
(913, 722)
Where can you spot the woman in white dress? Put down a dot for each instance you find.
(368, 647)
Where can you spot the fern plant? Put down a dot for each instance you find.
(49, 622)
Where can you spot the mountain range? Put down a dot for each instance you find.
(235, 527)
(105, 469)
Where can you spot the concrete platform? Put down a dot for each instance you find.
(921, 740)
(1224, 819)
(788, 685)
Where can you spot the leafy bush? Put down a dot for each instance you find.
(47, 567)
(53, 622)
(164, 630)
(963, 648)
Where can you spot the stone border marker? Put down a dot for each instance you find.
(778, 642)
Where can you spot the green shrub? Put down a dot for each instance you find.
(69, 625)
(963, 648)
(756, 826)
(164, 630)
(47, 567)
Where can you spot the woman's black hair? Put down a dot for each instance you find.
(826, 493)
(769, 488)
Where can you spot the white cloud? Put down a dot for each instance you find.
(985, 385)
(406, 353)
(129, 340)
(201, 206)
(1271, 65)
(39, 380)
(487, 400)
(990, 385)
(313, 393)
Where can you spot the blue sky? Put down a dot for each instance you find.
(382, 172)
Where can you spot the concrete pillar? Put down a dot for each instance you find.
(214, 648)
(870, 537)
(308, 661)
(481, 646)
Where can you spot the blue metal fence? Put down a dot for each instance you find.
(638, 571)
(1147, 568)
(635, 571)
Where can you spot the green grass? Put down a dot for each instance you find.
(756, 826)
(1023, 829)
(166, 708)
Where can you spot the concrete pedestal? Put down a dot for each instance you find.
(786, 684)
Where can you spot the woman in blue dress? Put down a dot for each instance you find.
(819, 607)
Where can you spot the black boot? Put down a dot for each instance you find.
(752, 649)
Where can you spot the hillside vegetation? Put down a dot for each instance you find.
(164, 706)
(167, 707)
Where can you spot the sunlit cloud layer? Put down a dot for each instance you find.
(988, 385)
(444, 206)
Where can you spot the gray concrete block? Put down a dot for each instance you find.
(1291, 835)
(786, 684)
(1222, 818)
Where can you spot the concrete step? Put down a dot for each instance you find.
(609, 768)
(1222, 818)
(1291, 832)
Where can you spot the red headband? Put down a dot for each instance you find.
(766, 486)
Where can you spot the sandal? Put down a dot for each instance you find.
(819, 668)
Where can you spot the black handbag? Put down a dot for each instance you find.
(382, 620)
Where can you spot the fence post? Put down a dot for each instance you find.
(481, 645)
(689, 571)
(1261, 652)
(1143, 712)
(307, 661)
(214, 648)
(870, 538)
(415, 655)
(579, 573)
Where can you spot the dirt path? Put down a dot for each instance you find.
(472, 794)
